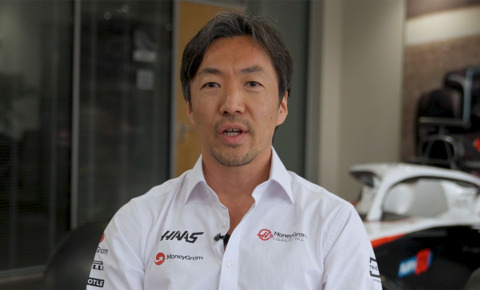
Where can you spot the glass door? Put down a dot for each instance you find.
(35, 122)
(85, 93)
(125, 96)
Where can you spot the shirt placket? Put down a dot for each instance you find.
(230, 261)
(229, 270)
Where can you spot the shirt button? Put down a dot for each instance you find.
(223, 224)
(229, 264)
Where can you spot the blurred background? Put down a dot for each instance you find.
(91, 111)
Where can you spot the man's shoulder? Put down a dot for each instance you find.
(155, 202)
(304, 189)
(166, 190)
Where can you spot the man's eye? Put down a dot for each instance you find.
(211, 85)
(253, 84)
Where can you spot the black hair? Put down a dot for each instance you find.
(230, 24)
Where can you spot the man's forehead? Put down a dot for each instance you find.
(209, 64)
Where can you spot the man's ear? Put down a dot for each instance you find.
(282, 110)
(190, 113)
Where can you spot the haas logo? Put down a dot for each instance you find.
(265, 235)
(178, 235)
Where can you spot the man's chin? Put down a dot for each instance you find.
(233, 159)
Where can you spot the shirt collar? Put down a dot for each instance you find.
(278, 174)
(195, 178)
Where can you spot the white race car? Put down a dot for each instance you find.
(423, 221)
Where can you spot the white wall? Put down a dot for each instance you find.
(443, 25)
(361, 88)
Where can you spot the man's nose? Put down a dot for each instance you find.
(233, 101)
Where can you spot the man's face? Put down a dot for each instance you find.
(235, 102)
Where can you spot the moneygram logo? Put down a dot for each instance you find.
(102, 251)
(265, 235)
(160, 258)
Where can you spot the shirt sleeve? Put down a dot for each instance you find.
(118, 262)
(350, 263)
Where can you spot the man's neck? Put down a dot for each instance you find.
(234, 185)
(235, 182)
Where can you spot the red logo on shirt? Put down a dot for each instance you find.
(265, 235)
(103, 237)
(159, 259)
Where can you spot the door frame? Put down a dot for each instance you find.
(177, 51)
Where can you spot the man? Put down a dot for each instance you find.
(238, 219)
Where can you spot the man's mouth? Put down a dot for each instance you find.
(232, 132)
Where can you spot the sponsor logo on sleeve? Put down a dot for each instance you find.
(374, 272)
(374, 268)
(102, 251)
(97, 265)
(179, 236)
(95, 282)
(265, 235)
(161, 258)
(417, 264)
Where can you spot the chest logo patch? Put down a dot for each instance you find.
(265, 235)
(159, 259)
(181, 235)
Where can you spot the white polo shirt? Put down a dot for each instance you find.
(297, 235)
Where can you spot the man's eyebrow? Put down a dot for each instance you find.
(252, 69)
(215, 71)
(209, 70)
